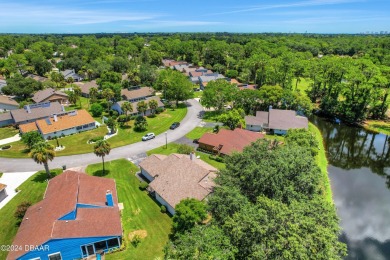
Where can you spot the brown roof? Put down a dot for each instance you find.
(168, 62)
(2, 186)
(196, 73)
(137, 93)
(234, 81)
(65, 121)
(45, 94)
(87, 86)
(8, 101)
(286, 119)
(230, 140)
(37, 77)
(5, 116)
(25, 128)
(260, 119)
(177, 177)
(41, 222)
(47, 109)
(245, 86)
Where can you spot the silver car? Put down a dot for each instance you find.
(148, 136)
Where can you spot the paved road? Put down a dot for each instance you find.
(190, 121)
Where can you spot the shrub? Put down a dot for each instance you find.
(159, 110)
(95, 139)
(123, 118)
(163, 209)
(21, 210)
(96, 109)
(184, 149)
(140, 124)
(136, 240)
(5, 147)
(219, 159)
(113, 113)
(143, 185)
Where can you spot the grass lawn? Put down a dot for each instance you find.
(32, 191)
(172, 148)
(197, 132)
(322, 163)
(84, 105)
(77, 143)
(140, 212)
(303, 85)
(210, 116)
(275, 137)
(198, 94)
(8, 131)
(378, 126)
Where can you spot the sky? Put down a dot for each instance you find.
(245, 16)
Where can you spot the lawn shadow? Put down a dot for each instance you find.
(100, 173)
(42, 176)
(123, 127)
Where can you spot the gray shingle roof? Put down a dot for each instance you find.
(278, 119)
(21, 115)
(46, 93)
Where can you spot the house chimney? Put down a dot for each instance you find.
(109, 199)
(28, 109)
(55, 118)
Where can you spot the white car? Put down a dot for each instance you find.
(148, 136)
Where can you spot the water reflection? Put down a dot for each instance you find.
(359, 170)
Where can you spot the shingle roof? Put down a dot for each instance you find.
(286, 119)
(177, 177)
(8, 101)
(41, 223)
(137, 93)
(230, 140)
(87, 86)
(25, 128)
(5, 116)
(45, 94)
(134, 104)
(2, 186)
(37, 77)
(65, 121)
(47, 109)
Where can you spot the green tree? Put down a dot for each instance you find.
(126, 108)
(108, 94)
(140, 124)
(142, 106)
(57, 78)
(153, 105)
(96, 109)
(41, 65)
(43, 152)
(31, 138)
(101, 149)
(22, 87)
(77, 92)
(188, 213)
(233, 118)
(93, 93)
(218, 93)
(72, 97)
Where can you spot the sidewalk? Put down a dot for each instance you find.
(10, 139)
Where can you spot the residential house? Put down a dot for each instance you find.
(86, 87)
(30, 113)
(61, 124)
(8, 103)
(137, 94)
(117, 106)
(206, 78)
(72, 74)
(177, 177)
(227, 141)
(276, 121)
(171, 63)
(77, 218)
(242, 86)
(37, 77)
(50, 95)
(3, 192)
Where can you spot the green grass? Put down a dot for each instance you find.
(198, 94)
(172, 148)
(322, 163)
(198, 132)
(303, 85)
(275, 137)
(378, 126)
(140, 212)
(77, 143)
(84, 105)
(210, 116)
(8, 131)
(32, 191)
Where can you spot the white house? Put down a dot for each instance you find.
(117, 106)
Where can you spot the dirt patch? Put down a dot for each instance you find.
(141, 233)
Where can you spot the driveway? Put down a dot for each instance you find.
(190, 121)
(13, 180)
(12, 139)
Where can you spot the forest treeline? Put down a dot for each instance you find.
(348, 75)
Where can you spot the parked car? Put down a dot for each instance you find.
(175, 125)
(196, 141)
(148, 136)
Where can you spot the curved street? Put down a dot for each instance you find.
(190, 121)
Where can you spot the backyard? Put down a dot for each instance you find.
(141, 212)
(8, 131)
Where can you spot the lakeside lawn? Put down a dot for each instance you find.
(77, 143)
(140, 212)
(322, 163)
(172, 148)
(32, 191)
(8, 131)
(377, 126)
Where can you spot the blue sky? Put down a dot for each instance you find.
(299, 16)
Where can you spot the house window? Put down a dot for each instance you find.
(85, 126)
(55, 256)
(99, 246)
(113, 243)
(79, 128)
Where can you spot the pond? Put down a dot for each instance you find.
(359, 171)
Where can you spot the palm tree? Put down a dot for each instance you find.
(101, 149)
(127, 107)
(93, 95)
(77, 91)
(72, 97)
(142, 106)
(70, 81)
(41, 153)
(153, 105)
(108, 94)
